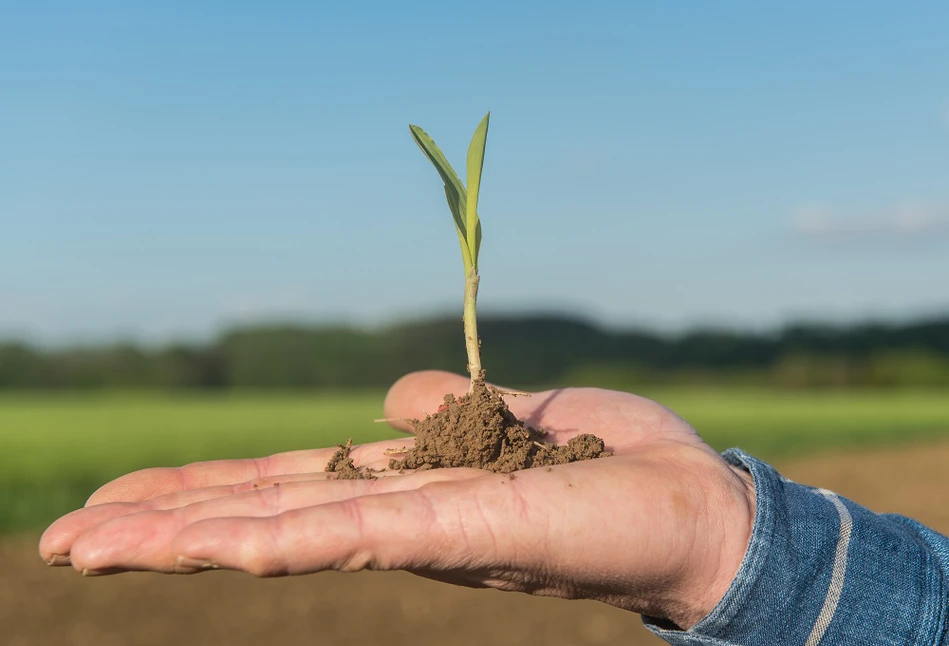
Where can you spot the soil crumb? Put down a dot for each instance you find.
(479, 430)
(342, 465)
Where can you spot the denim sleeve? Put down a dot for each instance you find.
(820, 569)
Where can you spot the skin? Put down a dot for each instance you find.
(659, 528)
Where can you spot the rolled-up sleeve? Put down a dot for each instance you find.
(820, 569)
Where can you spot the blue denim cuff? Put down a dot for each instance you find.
(820, 569)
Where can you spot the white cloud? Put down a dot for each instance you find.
(907, 220)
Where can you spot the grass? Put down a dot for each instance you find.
(773, 424)
(56, 449)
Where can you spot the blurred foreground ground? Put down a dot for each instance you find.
(39, 605)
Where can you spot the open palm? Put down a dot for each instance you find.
(658, 528)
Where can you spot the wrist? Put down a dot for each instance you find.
(729, 533)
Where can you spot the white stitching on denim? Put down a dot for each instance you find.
(836, 587)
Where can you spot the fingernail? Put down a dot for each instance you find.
(58, 559)
(88, 572)
(196, 564)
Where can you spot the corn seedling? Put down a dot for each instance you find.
(463, 204)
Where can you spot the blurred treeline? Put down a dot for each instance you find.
(517, 351)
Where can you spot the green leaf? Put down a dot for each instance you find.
(475, 165)
(454, 189)
(457, 205)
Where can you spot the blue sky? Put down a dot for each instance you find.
(167, 169)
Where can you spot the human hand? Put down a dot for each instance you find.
(659, 528)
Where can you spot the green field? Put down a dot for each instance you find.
(56, 449)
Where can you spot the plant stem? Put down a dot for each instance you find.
(472, 343)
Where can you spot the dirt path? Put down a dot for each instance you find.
(39, 605)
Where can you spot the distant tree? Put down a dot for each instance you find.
(21, 366)
(522, 351)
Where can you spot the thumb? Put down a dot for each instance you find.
(418, 394)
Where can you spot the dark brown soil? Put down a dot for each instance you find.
(480, 431)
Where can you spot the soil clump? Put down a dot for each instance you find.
(342, 465)
(479, 431)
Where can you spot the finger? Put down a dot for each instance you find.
(55, 541)
(141, 540)
(531, 533)
(421, 393)
(418, 394)
(151, 483)
(448, 526)
(54, 544)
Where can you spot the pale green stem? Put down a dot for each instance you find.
(472, 343)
